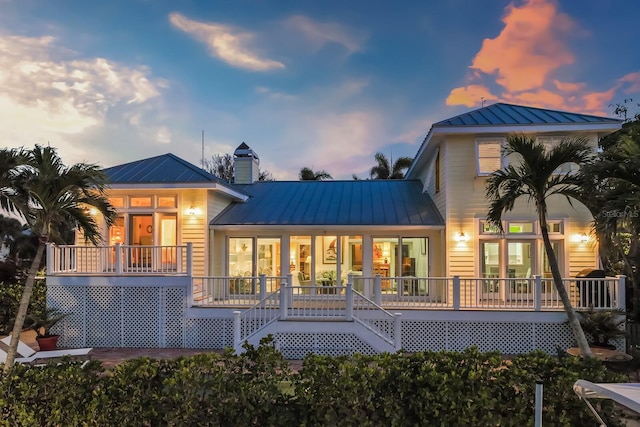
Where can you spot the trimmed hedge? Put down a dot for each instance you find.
(257, 388)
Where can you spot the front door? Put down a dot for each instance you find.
(141, 239)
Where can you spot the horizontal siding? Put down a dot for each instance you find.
(194, 227)
(216, 204)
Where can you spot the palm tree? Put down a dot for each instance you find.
(535, 179)
(611, 191)
(56, 195)
(307, 174)
(383, 170)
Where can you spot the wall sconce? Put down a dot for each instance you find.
(583, 238)
(461, 237)
(192, 210)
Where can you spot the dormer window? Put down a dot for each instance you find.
(489, 155)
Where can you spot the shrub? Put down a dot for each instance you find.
(10, 294)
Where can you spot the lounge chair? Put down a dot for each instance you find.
(28, 355)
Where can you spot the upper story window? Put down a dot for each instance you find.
(489, 155)
(549, 142)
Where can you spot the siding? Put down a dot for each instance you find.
(193, 228)
(216, 204)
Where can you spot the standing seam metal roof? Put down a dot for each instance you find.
(509, 114)
(370, 202)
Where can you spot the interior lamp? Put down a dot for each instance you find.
(385, 254)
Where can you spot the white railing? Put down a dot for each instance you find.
(233, 291)
(257, 317)
(454, 293)
(316, 302)
(384, 324)
(119, 260)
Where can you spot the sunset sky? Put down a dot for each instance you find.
(322, 84)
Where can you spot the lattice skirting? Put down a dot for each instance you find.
(157, 316)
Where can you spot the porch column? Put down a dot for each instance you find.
(456, 292)
(118, 259)
(377, 289)
(397, 330)
(349, 301)
(50, 260)
(537, 293)
(622, 297)
(189, 259)
(236, 328)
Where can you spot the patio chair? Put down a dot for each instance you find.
(29, 355)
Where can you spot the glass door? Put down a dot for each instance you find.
(490, 269)
(168, 240)
(141, 238)
(519, 256)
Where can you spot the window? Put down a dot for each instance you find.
(554, 227)
(141, 202)
(167, 201)
(520, 228)
(486, 228)
(489, 155)
(549, 142)
(117, 202)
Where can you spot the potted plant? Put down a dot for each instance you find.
(42, 323)
(603, 326)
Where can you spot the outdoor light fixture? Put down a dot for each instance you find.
(461, 237)
(192, 210)
(584, 238)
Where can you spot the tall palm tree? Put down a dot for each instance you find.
(384, 170)
(57, 195)
(10, 160)
(535, 179)
(307, 174)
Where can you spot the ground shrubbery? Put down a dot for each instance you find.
(258, 388)
(10, 294)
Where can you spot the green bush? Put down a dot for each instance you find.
(10, 294)
(257, 388)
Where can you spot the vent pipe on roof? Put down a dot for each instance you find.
(246, 165)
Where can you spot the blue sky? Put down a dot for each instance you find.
(305, 83)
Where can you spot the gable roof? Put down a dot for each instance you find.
(167, 170)
(333, 203)
(502, 118)
(510, 114)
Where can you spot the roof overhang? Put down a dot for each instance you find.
(293, 229)
(230, 192)
(435, 131)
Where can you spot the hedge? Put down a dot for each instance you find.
(10, 295)
(257, 388)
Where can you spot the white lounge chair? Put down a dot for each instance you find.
(29, 355)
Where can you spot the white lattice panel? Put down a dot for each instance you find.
(296, 346)
(69, 300)
(550, 335)
(174, 314)
(209, 333)
(103, 316)
(141, 322)
(420, 335)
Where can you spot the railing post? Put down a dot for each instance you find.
(537, 292)
(189, 258)
(377, 289)
(284, 290)
(622, 297)
(397, 331)
(236, 328)
(349, 309)
(50, 260)
(456, 292)
(263, 285)
(118, 259)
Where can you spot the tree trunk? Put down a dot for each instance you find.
(24, 306)
(574, 322)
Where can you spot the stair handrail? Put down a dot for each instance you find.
(361, 303)
(257, 317)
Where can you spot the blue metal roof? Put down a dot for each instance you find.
(357, 202)
(166, 168)
(509, 114)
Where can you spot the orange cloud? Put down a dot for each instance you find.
(539, 97)
(568, 87)
(470, 96)
(634, 79)
(528, 48)
(595, 100)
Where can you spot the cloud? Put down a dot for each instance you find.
(48, 94)
(229, 44)
(521, 63)
(321, 33)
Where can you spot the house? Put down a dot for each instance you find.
(335, 266)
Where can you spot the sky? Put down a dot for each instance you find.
(320, 84)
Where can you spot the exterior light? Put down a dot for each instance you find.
(461, 237)
(584, 238)
(192, 210)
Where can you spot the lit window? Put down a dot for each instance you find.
(116, 202)
(167, 201)
(141, 202)
(486, 228)
(489, 155)
(520, 228)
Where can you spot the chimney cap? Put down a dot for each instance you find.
(244, 150)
